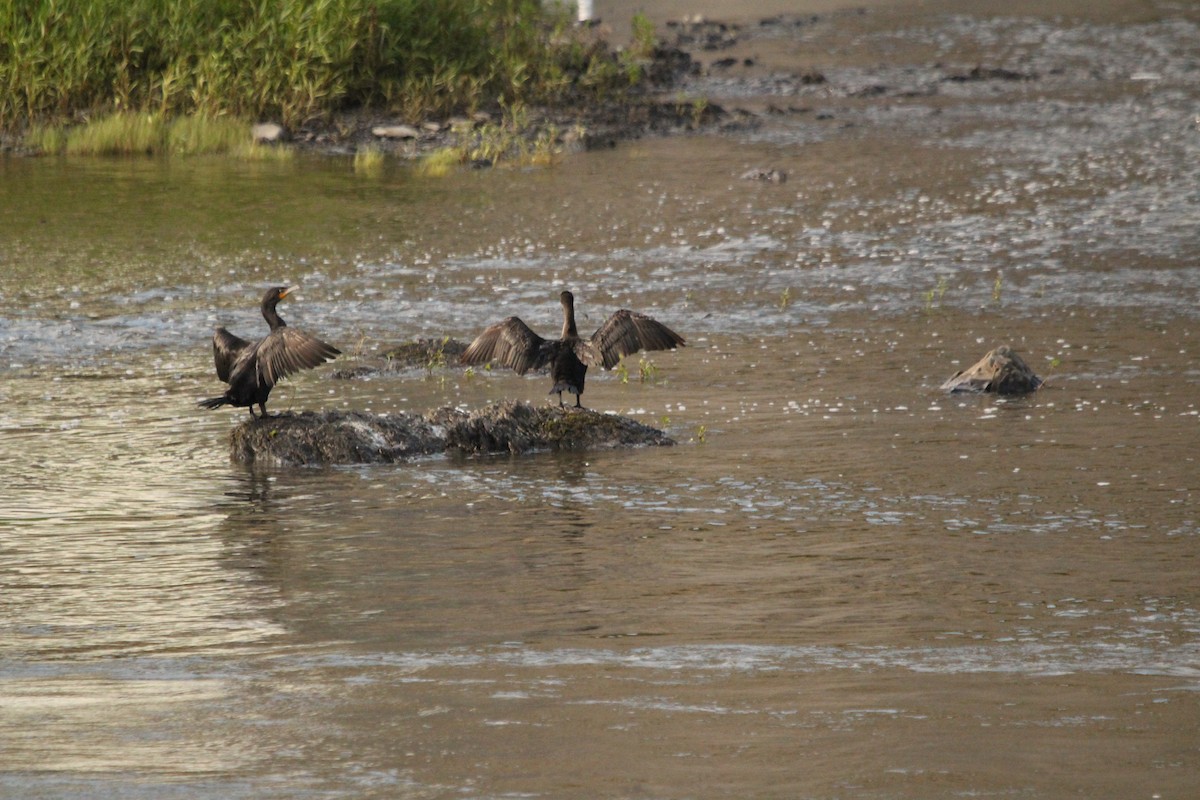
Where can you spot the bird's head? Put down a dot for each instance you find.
(277, 293)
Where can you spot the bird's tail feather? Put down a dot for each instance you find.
(213, 402)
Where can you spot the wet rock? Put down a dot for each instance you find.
(355, 437)
(1001, 371)
(267, 133)
(767, 175)
(668, 64)
(981, 73)
(395, 132)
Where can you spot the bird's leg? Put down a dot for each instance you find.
(560, 401)
(577, 403)
(263, 408)
(250, 408)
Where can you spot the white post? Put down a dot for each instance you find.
(586, 12)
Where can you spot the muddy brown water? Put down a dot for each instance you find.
(840, 583)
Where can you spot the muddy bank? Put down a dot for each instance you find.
(353, 437)
(573, 124)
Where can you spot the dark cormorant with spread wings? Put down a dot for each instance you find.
(513, 344)
(253, 368)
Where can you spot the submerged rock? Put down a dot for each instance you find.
(354, 437)
(1001, 371)
(424, 353)
(421, 352)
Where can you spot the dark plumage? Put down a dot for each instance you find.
(252, 368)
(513, 344)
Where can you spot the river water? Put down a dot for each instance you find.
(840, 583)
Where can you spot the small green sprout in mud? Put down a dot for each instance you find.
(437, 357)
(695, 107)
(633, 59)
(935, 295)
(622, 372)
(664, 420)
(647, 370)
(701, 433)
(785, 298)
(469, 373)
(645, 39)
(996, 288)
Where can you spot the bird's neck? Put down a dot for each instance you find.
(273, 319)
(569, 329)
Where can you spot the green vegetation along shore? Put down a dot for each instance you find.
(67, 62)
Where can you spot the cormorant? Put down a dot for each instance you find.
(252, 368)
(513, 344)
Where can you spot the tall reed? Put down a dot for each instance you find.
(291, 60)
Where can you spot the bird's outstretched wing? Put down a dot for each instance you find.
(511, 343)
(624, 333)
(287, 350)
(226, 350)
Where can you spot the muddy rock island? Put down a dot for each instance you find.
(354, 437)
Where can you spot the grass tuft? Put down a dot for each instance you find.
(46, 139)
(440, 162)
(123, 133)
(130, 133)
(201, 135)
(368, 160)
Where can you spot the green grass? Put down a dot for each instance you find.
(201, 135)
(131, 64)
(368, 160)
(441, 161)
(136, 133)
(118, 134)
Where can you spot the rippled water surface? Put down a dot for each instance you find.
(840, 583)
